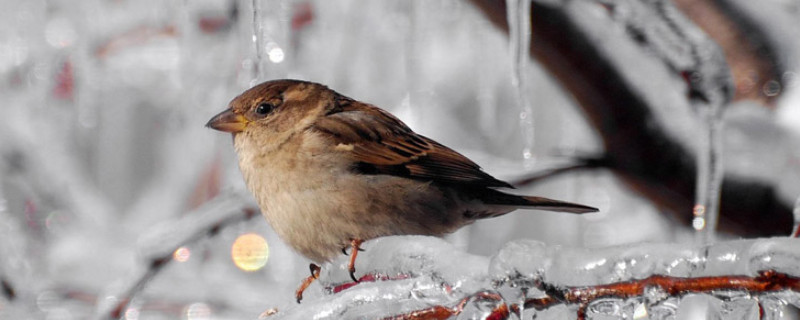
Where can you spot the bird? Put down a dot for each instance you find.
(329, 172)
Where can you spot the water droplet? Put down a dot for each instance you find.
(772, 88)
(699, 223)
(527, 154)
(274, 52)
(250, 252)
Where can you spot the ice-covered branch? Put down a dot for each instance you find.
(158, 244)
(638, 70)
(426, 278)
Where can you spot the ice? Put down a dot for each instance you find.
(519, 34)
(683, 47)
(423, 272)
(783, 255)
(743, 308)
(796, 212)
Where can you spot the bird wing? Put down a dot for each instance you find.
(382, 144)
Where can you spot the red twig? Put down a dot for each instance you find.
(766, 281)
(438, 312)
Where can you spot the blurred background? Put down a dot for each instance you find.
(106, 164)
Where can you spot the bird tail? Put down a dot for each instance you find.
(555, 205)
(497, 198)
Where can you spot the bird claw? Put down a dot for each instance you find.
(344, 251)
(315, 269)
(356, 245)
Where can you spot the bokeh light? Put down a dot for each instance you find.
(699, 221)
(182, 254)
(250, 252)
(274, 52)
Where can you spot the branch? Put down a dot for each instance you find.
(158, 245)
(639, 93)
(766, 282)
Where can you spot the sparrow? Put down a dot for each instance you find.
(329, 172)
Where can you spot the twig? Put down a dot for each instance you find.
(579, 164)
(501, 311)
(603, 68)
(767, 281)
(159, 244)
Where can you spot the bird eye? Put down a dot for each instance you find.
(264, 108)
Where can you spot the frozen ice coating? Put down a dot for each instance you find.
(579, 266)
(412, 256)
(796, 212)
(434, 274)
(422, 271)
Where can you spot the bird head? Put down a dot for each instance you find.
(274, 110)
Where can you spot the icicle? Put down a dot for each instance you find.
(796, 230)
(258, 41)
(519, 33)
(271, 20)
(709, 176)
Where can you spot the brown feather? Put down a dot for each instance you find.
(495, 197)
(382, 144)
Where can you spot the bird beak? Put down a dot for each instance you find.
(228, 121)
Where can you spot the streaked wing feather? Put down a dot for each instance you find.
(385, 145)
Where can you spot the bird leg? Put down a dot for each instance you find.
(355, 244)
(315, 269)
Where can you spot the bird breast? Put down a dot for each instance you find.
(316, 204)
